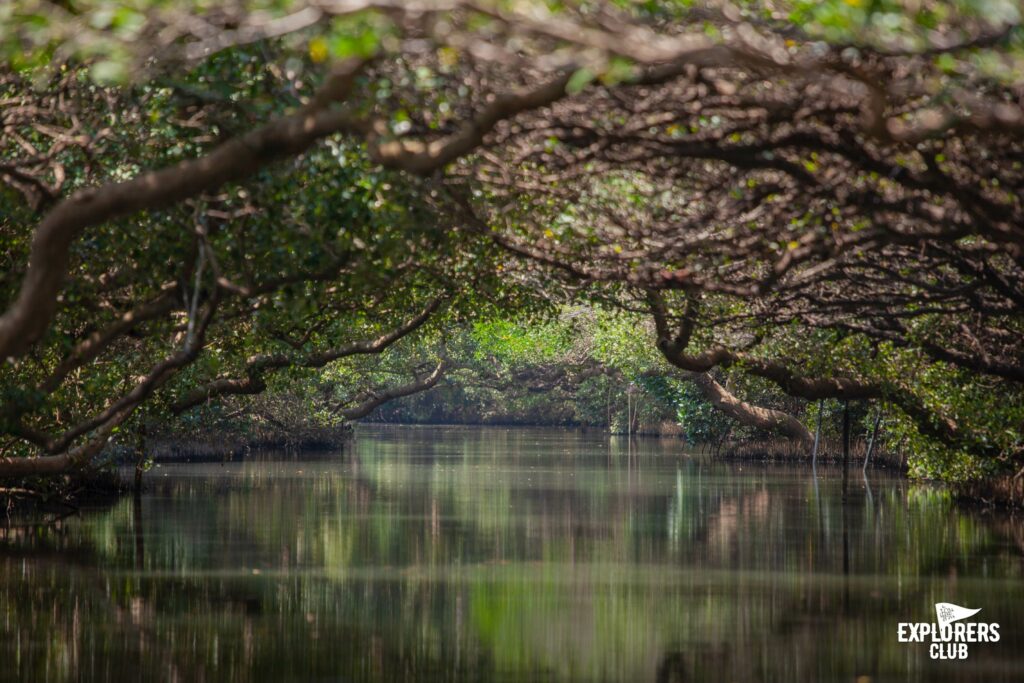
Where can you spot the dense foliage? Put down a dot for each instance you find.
(786, 203)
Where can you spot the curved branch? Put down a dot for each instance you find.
(380, 398)
(421, 157)
(927, 421)
(63, 462)
(29, 315)
(254, 381)
(99, 340)
(103, 425)
(748, 414)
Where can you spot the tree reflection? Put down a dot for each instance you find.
(501, 555)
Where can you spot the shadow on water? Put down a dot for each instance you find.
(491, 554)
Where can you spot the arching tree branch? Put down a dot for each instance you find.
(748, 414)
(256, 367)
(379, 397)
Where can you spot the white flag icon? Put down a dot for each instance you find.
(947, 613)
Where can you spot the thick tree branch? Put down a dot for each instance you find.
(65, 458)
(929, 423)
(749, 414)
(29, 314)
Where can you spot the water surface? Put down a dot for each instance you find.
(463, 554)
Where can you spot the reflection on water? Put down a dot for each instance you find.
(486, 554)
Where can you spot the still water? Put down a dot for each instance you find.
(465, 554)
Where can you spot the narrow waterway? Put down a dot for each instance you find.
(478, 554)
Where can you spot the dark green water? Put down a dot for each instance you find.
(487, 554)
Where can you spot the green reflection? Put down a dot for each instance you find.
(486, 554)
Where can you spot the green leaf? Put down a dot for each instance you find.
(579, 80)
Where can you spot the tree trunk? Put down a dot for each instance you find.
(846, 447)
(751, 415)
